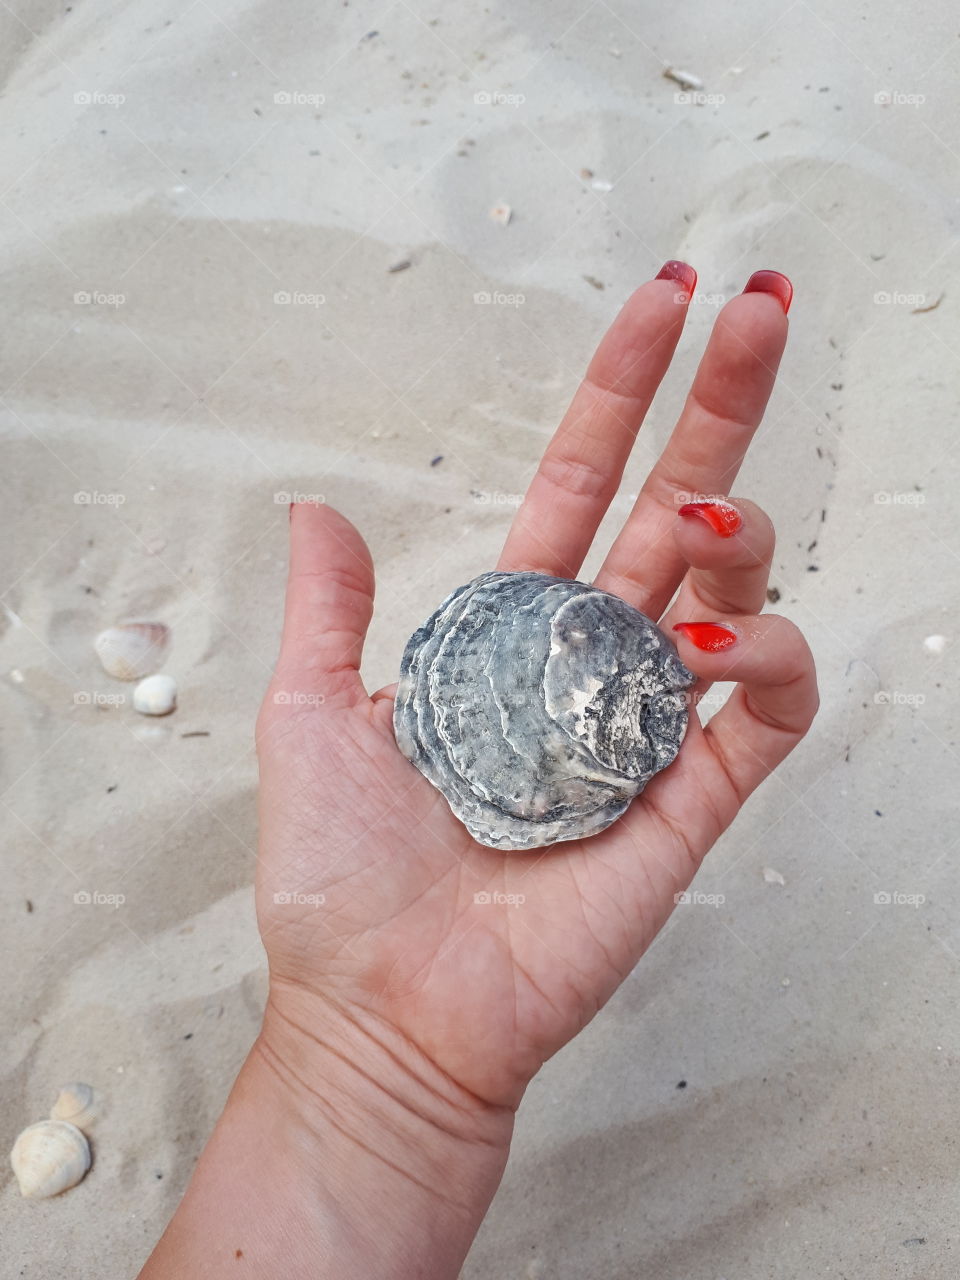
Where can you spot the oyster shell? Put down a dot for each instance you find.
(539, 707)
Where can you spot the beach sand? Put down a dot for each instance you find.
(772, 1091)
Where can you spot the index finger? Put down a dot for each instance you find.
(580, 472)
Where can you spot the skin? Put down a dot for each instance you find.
(369, 1127)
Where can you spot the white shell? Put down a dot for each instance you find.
(49, 1157)
(155, 696)
(132, 650)
(75, 1103)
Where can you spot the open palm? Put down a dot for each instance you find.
(372, 897)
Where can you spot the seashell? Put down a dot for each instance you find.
(76, 1103)
(132, 650)
(155, 696)
(539, 707)
(49, 1157)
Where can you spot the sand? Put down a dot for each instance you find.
(772, 1091)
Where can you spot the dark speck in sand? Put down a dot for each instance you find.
(112, 787)
(914, 1240)
(437, 460)
(773, 594)
(681, 1084)
(592, 280)
(760, 136)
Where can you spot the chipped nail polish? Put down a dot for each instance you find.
(711, 637)
(722, 517)
(682, 272)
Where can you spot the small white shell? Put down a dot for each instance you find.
(501, 213)
(132, 650)
(155, 696)
(685, 79)
(49, 1157)
(76, 1103)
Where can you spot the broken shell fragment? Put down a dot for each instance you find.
(155, 696)
(132, 650)
(76, 1103)
(49, 1157)
(539, 707)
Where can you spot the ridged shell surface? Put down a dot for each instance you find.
(539, 707)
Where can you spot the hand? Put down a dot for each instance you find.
(485, 992)
(368, 1129)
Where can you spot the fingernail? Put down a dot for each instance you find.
(774, 282)
(722, 517)
(711, 637)
(682, 272)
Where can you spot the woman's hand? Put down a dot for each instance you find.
(418, 980)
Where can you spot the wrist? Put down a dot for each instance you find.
(387, 1123)
(341, 1151)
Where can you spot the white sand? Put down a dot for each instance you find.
(816, 1031)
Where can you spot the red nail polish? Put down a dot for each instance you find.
(722, 517)
(682, 272)
(774, 282)
(711, 637)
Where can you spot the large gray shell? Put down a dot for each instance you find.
(539, 706)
